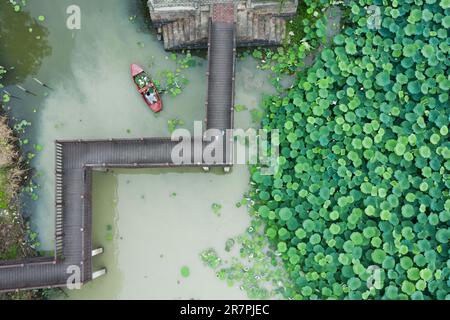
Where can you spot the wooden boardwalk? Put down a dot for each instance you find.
(75, 161)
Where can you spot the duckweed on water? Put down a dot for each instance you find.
(256, 270)
(38, 147)
(256, 115)
(216, 207)
(173, 124)
(109, 235)
(132, 19)
(174, 81)
(185, 272)
(229, 244)
(21, 126)
(210, 258)
(239, 108)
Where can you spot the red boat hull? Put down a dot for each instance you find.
(155, 107)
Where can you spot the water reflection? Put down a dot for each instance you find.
(23, 43)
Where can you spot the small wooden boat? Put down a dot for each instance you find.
(146, 88)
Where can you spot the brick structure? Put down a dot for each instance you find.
(184, 24)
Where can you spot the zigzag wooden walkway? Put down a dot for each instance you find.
(75, 161)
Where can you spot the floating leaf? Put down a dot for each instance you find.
(185, 272)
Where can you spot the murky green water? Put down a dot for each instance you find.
(151, 222)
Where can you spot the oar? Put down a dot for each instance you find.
(42, 84)
(26, 91)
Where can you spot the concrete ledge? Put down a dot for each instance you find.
(171, 10)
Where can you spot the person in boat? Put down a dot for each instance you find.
(150, 96)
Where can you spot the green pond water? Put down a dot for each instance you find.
(151, 223)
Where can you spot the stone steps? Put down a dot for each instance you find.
(185, 33)
(192, 32)
(265, 28)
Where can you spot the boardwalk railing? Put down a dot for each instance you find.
(161, 4)
(208, 68)
(86, 222)
(221, 74)
(230, 145)
(59, 201)
(27, 262)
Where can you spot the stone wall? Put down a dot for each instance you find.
(184, 24)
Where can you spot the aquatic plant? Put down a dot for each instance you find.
(23, 57)
(210, 258)
(33, 238)
(132, 18)
(185, 271)
(109, 234)
(30, 188)
(169, 82)
(363, 184)
(184, 60)
(38, 147)
(307, 34)
(239, 108)
(257, 270)
(216, 207)
(174, 81)
(21, 126)
(229, 244)
(173, 124)
(256, 115)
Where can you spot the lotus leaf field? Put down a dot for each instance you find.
(364, 161)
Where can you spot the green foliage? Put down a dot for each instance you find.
(309, 23)
(185, 271)
(173, 82)
(256, 270)
(216, 208)
(307, 33)
(170, 82)
(239, 108)
(109, 234)
(364, 158)
(4, 195)
(210, 258)
(173, 124)
(256, 115)
(12, 253)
